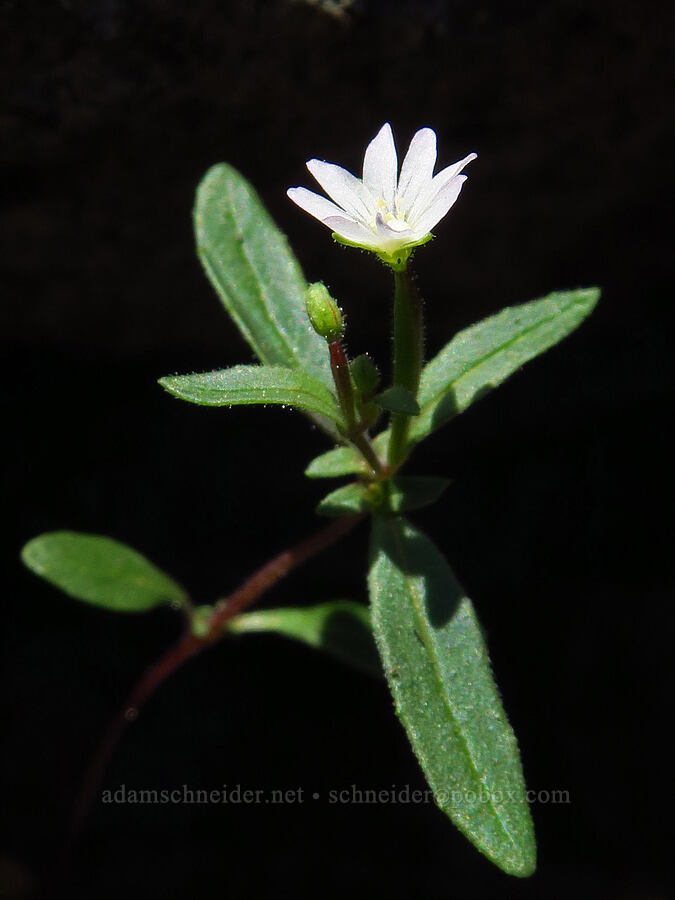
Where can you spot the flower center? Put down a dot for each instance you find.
(392, 218)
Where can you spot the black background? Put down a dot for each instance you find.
(558, 519)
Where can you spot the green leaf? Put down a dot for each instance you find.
(341, 628)
(344, 460)
(404, 493)
(397, 399)
(409, 492)
(481, 357)
(100, 571)
(364, 374)
(351, 500)
(439, 672)
(255, 384)
(337, 462)
(254, 272)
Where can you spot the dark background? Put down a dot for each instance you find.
(558, 521)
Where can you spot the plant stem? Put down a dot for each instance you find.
(273, 571)
(190, 644)
(343, 382)
(408, 356)
(365, 447)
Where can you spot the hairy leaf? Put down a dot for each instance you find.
(481, 357)
(255, 385)
(254, 272)
(438, 670)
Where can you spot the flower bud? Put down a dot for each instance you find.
(323, 312)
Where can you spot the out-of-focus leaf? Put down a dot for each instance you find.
(341, 628)
(397, 399)
(100, 571)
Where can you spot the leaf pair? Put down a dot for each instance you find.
(429, 640)
(110, 575)
(404, 493)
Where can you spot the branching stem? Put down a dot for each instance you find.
(190, 644)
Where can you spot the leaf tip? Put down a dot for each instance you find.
(591, 295)
(523, 865)
(168, 382)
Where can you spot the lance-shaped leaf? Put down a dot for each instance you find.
(481, 357)
(255, 385)
(438, 670)
(254, 272)
(341, 628)
(100, 571)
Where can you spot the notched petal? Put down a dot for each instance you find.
(417, 168)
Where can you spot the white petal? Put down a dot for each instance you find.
(380, 165)
(444, 199)
(438, 182)
(390, 239)
(346, 189)
(445, 175)
(352, 231)
(417, 168)
(314, 204)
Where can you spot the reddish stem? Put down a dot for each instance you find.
(189, 645)
(339, 365)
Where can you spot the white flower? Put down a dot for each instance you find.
(383, 211)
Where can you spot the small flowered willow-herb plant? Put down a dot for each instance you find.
(427, 638)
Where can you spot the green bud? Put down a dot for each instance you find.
(365, 374)
(323, 312)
